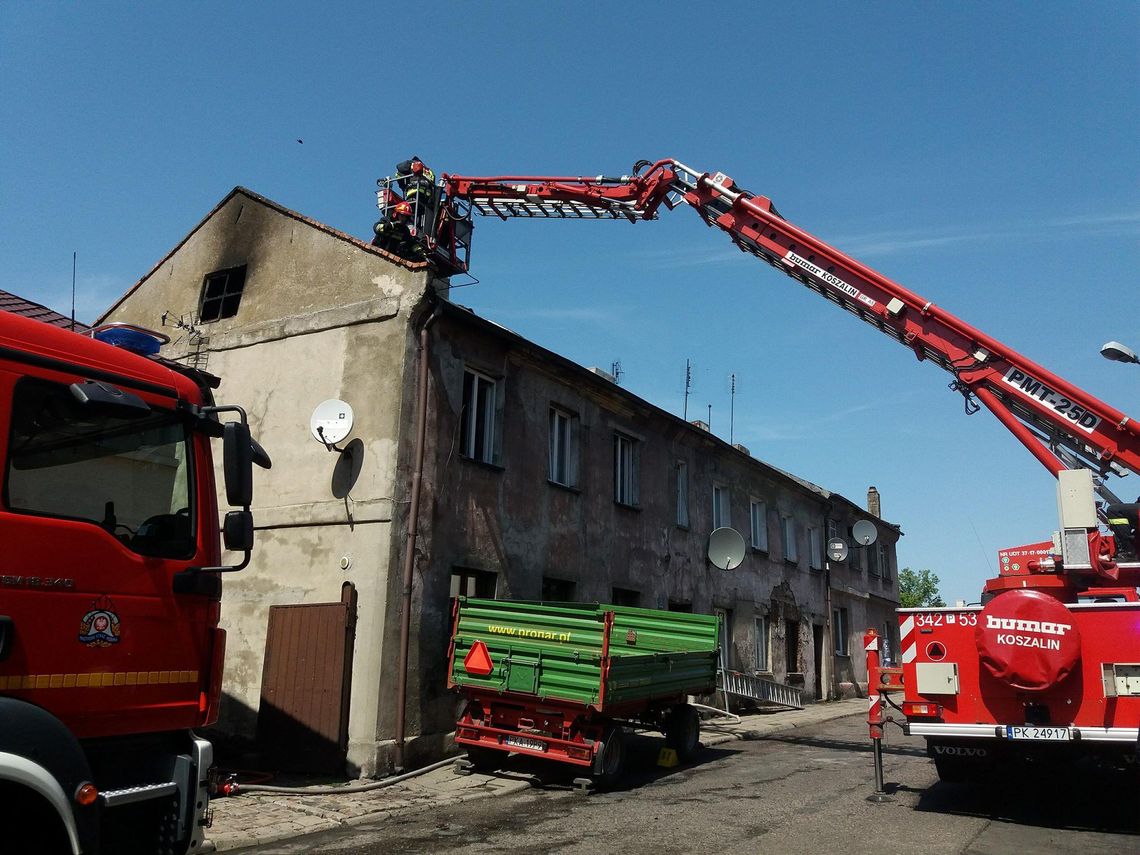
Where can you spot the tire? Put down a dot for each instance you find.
(610, 763)
(683, 731)
(484, 759)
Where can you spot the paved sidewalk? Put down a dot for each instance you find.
(250, 819)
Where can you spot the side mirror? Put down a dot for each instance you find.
(237, 531)
(237, 457)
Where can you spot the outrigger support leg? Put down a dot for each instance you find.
(875, 714)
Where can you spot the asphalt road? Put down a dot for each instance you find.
(800, 792)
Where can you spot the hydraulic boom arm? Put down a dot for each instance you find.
(1051, 417)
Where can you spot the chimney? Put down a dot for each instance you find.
(873, 502)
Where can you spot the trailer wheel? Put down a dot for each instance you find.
(683, 731)
(484, 759)
(610, 763)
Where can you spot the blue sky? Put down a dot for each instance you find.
(984, 155)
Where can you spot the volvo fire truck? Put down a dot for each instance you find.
(110, 563)
(1049, 664)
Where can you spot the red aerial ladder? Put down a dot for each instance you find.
(1054, 655)
(1062, 426)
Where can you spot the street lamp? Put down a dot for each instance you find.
(1118, 352)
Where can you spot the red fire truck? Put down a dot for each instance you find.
(110, 651)
(1050, 663)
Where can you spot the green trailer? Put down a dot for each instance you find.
(562, 680)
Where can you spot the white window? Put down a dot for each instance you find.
(789, 532)
(759, 518)
(839, 630)
(563, 448)
(477, 438)
(815, 546)
(762, 663)
(625, 469)
(721, 511)
(682, 493)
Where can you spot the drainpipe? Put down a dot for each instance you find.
(828, 658)
(413, 531)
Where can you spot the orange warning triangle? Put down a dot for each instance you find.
(478, 660)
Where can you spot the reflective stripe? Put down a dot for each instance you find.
(909, 654)
(906, 628)
(98, 680)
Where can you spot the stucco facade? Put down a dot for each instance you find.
(323, 315)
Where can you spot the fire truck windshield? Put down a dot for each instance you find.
(130, 476)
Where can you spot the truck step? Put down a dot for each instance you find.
(130, 795)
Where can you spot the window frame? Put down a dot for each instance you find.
(721, 506)
(240, 275)
(563, 445)
(488, 414)
(788, 534)
(841, 630)
(626, 469)
(758, 523)
(681, 493)
(815, 547)
(763, 645)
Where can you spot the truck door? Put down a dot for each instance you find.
(99, 509)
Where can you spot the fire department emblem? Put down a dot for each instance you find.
(100, 626)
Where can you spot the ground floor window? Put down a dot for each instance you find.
(472, 583)
(762, 663)
(840, 630)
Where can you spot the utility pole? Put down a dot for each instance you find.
(688, 384)
(732, 411)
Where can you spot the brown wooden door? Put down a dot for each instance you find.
(302, 723)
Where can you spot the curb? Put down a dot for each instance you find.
(507, 786)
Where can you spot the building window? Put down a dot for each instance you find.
(682, 493)
(789, 534)
(839, 630)
(872, 559)
(815, 547)
(221, 294)
(625, 597)
(721, 511)
(679, 606)
(885, 562)
(832, 529)
(477, 430)
(563, 448)
(759, 518)
(725, 618)
(472, 583)
(762, 663)
(625, 470)
(557, 590)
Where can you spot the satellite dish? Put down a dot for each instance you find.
(331, 421)
(865, 532)
(726, 548)
(837, 549)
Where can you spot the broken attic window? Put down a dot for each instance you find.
(221, 294)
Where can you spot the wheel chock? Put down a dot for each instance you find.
(584, 786)
(667, 758)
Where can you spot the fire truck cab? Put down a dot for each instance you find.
(110, 650)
